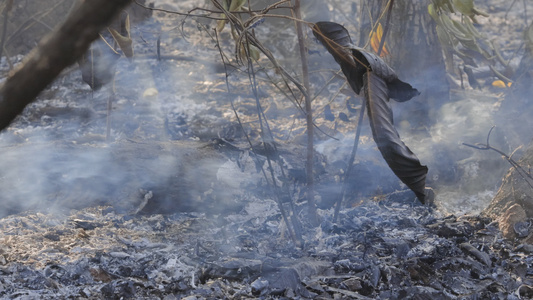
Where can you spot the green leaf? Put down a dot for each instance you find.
(432, 12)
(444, 37)
(236, 5)
(465, 7)
(221, 24)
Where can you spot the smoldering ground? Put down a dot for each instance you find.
(176, 146)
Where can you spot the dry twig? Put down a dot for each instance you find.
(526, 175)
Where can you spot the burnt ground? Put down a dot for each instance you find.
(379, 250)
(174, 206)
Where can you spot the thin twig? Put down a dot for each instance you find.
(386, 30)
(294, 231)
(313, 217)
(359, 123)
(526, 175)
(350, 162)
(7, 8)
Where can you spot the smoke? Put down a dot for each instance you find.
(55, 156)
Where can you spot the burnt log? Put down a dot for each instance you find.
(512, 207)
(55, 52)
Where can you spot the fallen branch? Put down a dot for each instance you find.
(55, 52)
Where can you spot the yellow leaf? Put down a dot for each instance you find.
(501, 84)
(432, 12)
(236, 5)
(375, 40)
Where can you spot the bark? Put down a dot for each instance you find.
(55, 52)
(513, 203)
(313, 218)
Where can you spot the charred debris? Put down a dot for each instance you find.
(150, 247)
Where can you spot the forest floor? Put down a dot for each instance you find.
(173, 205)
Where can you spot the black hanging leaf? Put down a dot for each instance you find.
(355, 61)
(402, 161)
(379, 82)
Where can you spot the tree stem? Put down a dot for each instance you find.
(313, 218)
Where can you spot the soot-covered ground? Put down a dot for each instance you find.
(174, 206)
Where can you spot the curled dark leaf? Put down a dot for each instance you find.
(402, 161)
(367, 71)
(355, 61)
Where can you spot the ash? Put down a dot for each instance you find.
(160, 211)
(382, 249)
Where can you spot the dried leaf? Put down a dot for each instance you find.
(379, 82)
(355, 61)
(375, 40)
(236, 5)
(124, 42)
(125, 26)
(501, 84)
(402, 161)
